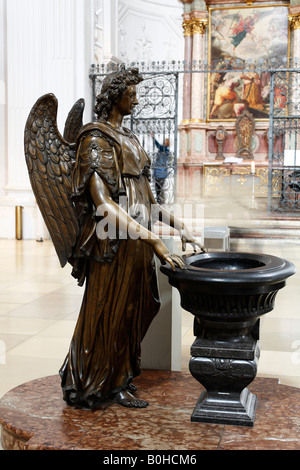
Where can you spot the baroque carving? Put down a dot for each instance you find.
(220, 136)
(187, 28)
(199, 25)
(194, 26)
(245, 126)
(220, 180)
(213, 370)
(294, 21)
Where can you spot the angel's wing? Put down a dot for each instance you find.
(49, 160)
(74, 121)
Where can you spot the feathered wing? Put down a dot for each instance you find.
(50, 159)
(74, 121)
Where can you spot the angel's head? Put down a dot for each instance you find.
(118, 86)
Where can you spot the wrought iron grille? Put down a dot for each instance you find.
(284, 141)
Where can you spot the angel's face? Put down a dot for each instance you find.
(127, 101)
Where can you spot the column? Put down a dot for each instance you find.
(161, 347)
(294, 20)
(199, 24)
(187, 79)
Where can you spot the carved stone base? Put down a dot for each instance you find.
(226, 400)
(223, 408)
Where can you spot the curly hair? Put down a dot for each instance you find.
(113, 87)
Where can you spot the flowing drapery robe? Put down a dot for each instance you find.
(121, 295)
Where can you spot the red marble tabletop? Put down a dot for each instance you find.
(35, 417)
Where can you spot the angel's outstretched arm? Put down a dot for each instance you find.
(116, 215)
(177, 224)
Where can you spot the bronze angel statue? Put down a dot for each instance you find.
(92, 166)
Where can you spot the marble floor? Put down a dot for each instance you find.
(39, 305)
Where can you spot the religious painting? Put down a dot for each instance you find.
(242, 43)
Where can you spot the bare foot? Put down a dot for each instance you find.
(125, 398)
(131, 388)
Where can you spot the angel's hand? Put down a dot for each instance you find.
(186, 237)
(164, 255)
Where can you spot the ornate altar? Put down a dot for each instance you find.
(236, 180)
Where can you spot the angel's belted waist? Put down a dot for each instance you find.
(145, 172)
(128, 175)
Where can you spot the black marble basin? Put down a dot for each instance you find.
(227, 292)
(230, 284)
(232, 268)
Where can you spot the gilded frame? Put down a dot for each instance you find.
(241, 38)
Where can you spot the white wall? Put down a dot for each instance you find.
(150, 30)
(45, 45)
